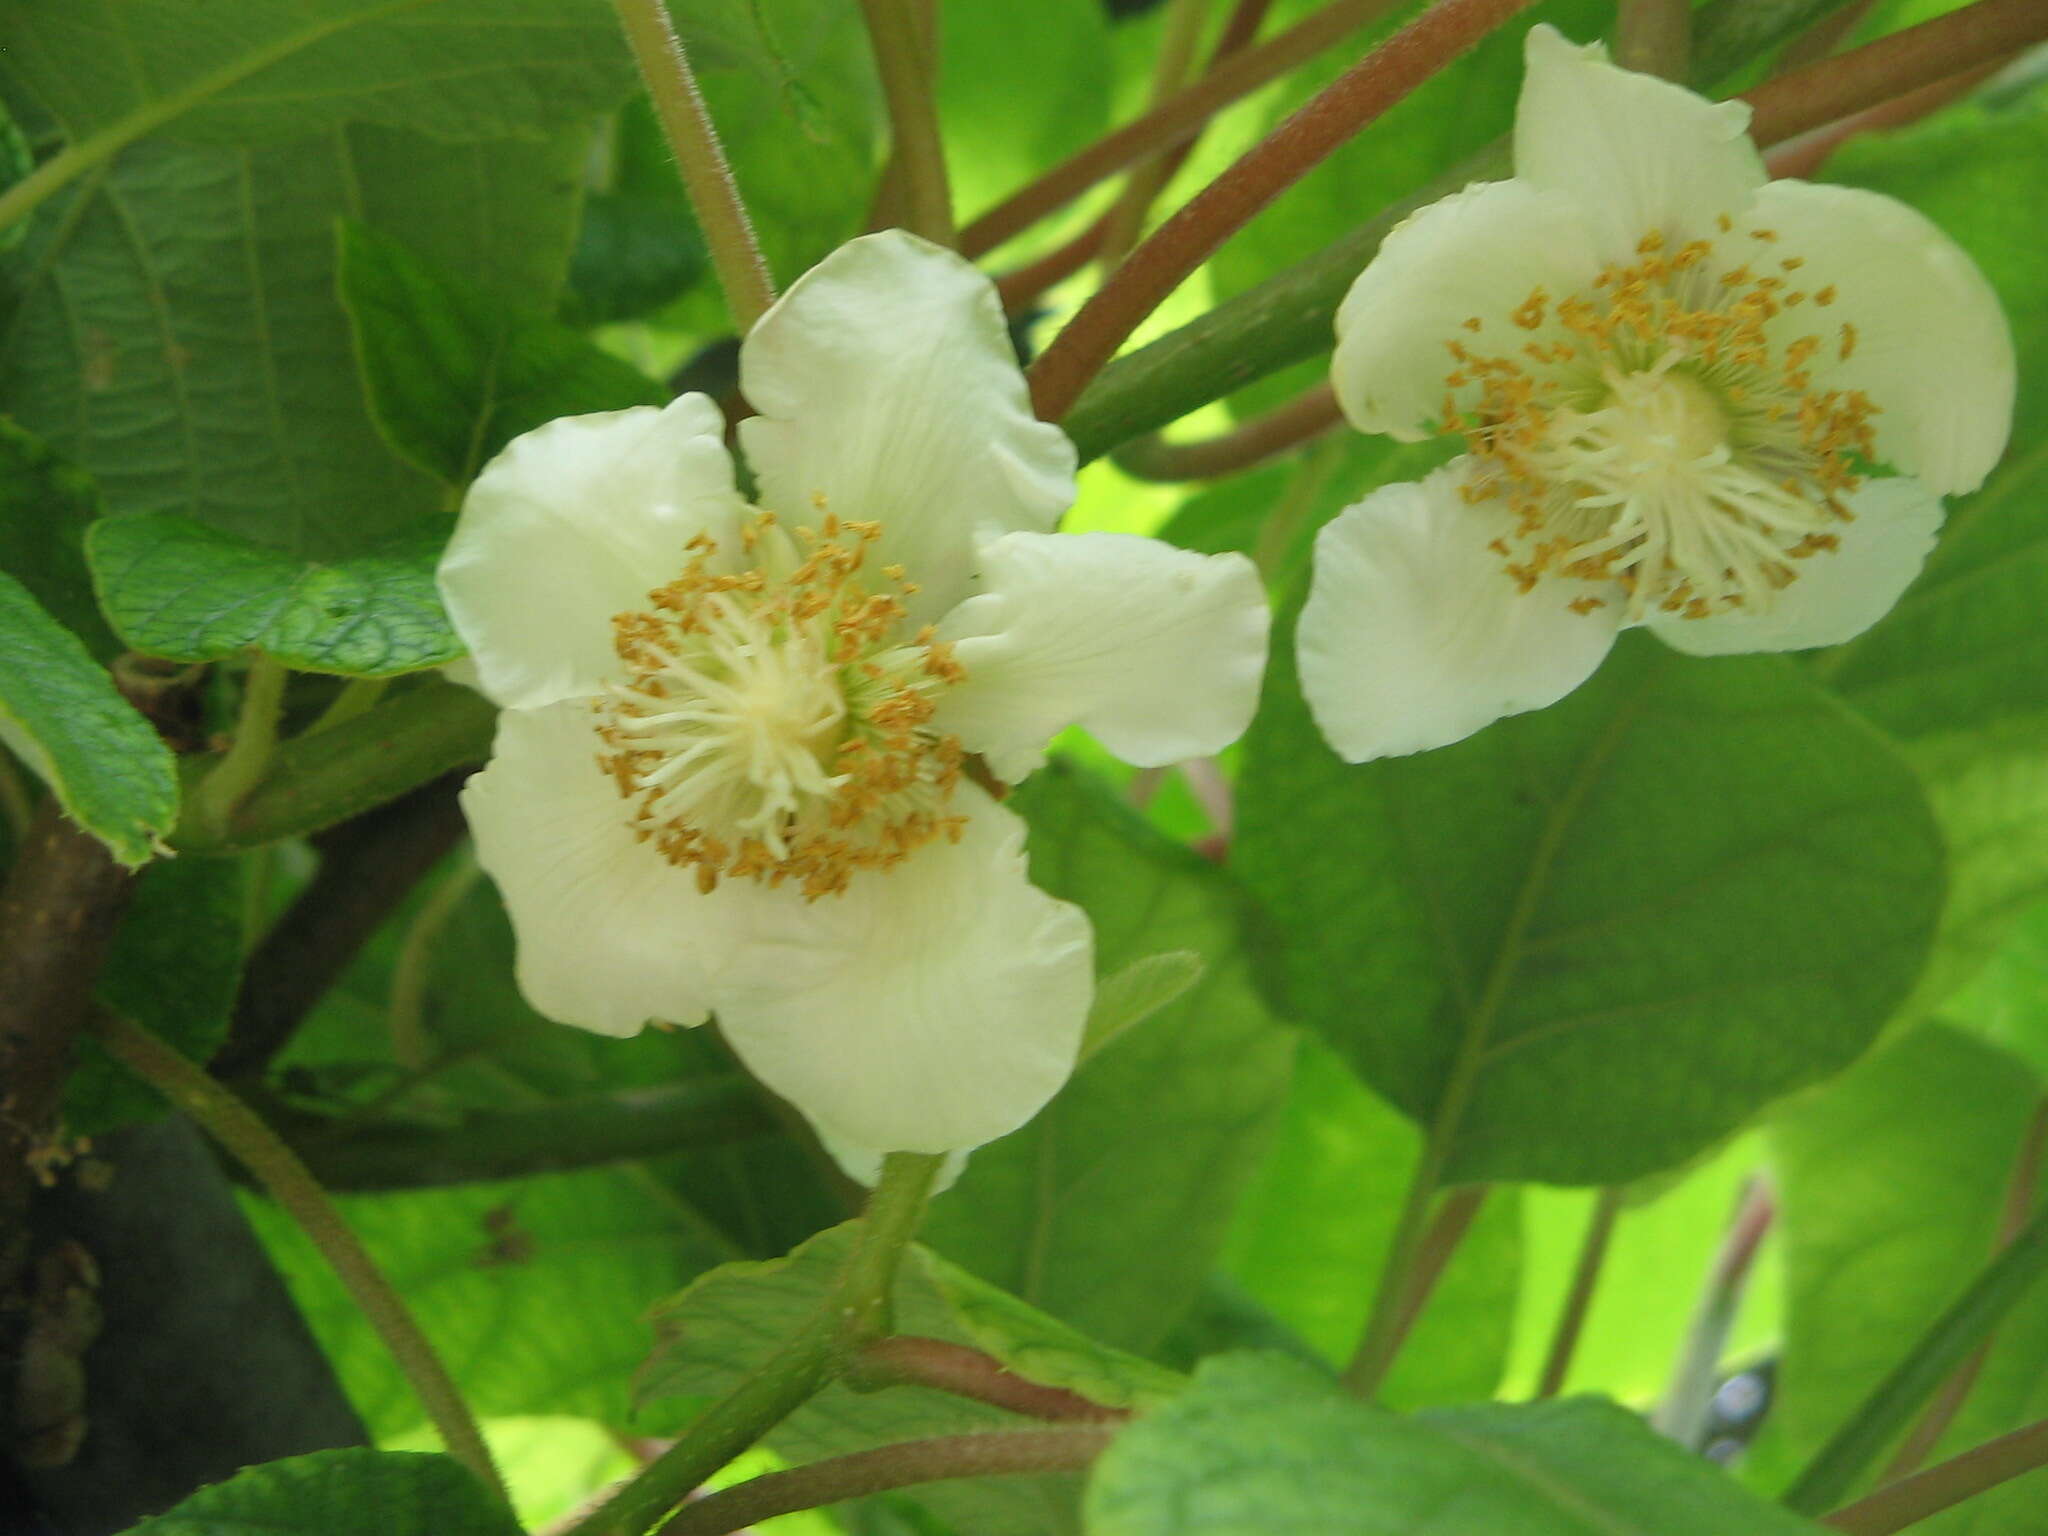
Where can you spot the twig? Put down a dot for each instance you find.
(1925, 1494)
(908, 1360)
(1804, 156)
(1578, 1303)
(1250, 442)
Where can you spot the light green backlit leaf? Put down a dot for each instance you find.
(342, 1493)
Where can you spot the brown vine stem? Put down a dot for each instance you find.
(906, 60)
(1171, 67)
(1824, 36)
(707, 177)
(1847, 83)
(2022, 1189)
(1805, 155)
(1358, 96)
(1654, 37)
(994, 1453)
(909, 1360)
(1925, 1494)
(1169, 122)
(252, 1143)
(1571, 1322)
(1440, 1243)
(1253, 441)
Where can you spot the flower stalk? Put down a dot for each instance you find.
(1253, 441)
(1924, 1495)
(907, 1360)
(242, 766)
(906, 59)
(1571, 1322)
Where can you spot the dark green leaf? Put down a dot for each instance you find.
(1262, 1444)
(45, 506)
(453, 374)
(60, 712)
(342, 1493)
(639, 245)
(1586, 943)
(179, 589)
(1108, 1209)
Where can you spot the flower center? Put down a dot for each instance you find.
(1660, 431)
(775, 722)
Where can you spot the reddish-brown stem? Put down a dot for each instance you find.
(1307, 415)
(1571, 1322)
(1158, 266)
(1824, 36)
(2021, 1190)
(1905, 1503)
(1169, 122)
(993, 1454)
(1810, 151)
(1440, 1243)
(1848, 83)
(908, 1360)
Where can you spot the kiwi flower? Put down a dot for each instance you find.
(749, 753)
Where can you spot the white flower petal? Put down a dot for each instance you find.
(929, 1008)
(574, 522)
(1637, 153)
(1475, 255)
(1415, 636)
(1931, 347)
(887, 387)
(1156, 650)
(609, 933)
(1839, 593)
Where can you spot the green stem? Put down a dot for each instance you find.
(1998, 1288)
(238, 1129)
(1571, 1322)
(707, 177)
(856, 1311)
(354, 696)
(907, 62)
(992, 1453)
(406, 1012)
(1926, 1494)
(241, 767)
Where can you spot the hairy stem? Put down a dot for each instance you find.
(993, 1453)
(1361, 94)
(1171, 121)
(1578, 1302)
(856, 1311)
(707, 177)
(244, 1135)
(907, 1360)
(1947, 1343)
(1926, 1494)
(1250, 442)
(907, 62)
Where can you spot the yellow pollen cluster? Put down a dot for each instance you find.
(776, 721)
(1661, 430)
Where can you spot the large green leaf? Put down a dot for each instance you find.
(1893, 1179)
(1314, 1227)
(174, 587)
(178, 333)
(60, 712)
(734, 1318)
(638, 245)
(112, 71)
(453, 373)
(2008, 1001)
(1109, 1208)
(1261, 1444)
(1584, 944)
(342, 1493)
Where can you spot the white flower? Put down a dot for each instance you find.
(1673, 378)
(740, 767)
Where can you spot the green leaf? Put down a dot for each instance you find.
(248, 70)
(453, 374)
(61, 714)
(1137, 992)
(1108, 1209)
(179, 589)
(1261, 1443)
(178, 334)
(1313, 1230)
(1893, 1179)
(1588, 942)
(45, 507)
(733, 1319)
(174, 968)
(638, 246)
(342, 1493)
(2007, 1002)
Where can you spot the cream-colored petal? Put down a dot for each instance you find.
(1453, 274)
(1926, 339)
(888, 391)
(929, 1008)
(1636, 153)
(1415, 636)
(571, 523)
(610, 934)
(1156, 650)
(1838, 593)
